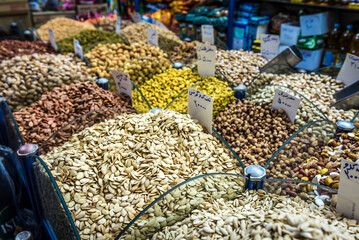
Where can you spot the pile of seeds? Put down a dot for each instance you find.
(186, 53)
(25, 78)
(253, 131)
(12, 48)
(111, 171)
(106, 57)
(240, 67)
(164, 87)
(110, 24)
(62, 105)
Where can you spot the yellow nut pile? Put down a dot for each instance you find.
(106, 57)
(63, 28)
(164, 87)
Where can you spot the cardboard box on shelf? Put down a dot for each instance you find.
(314, 24)
(289, 34)
(311, 59)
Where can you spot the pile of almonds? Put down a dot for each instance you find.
(62, 105)
(254, 131)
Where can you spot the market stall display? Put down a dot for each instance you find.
(185, 53)
(25, 78)
(110, 24)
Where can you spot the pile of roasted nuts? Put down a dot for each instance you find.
(107, 57)
(171, 83)
(109, 172)
(25, 78)
(185, 53)
(110, 24)
(61, 106)
(13, 48)
(254, 131)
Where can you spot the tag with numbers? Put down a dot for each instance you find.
(349, 73)
(159, 24)
(207, 33)
(118, 25)
(200, 107)
(52, 39)
(287, 102)
(348, 193)
(152, 37)
(269, 45)
(123, 83)
(78, 49)
(206, 56)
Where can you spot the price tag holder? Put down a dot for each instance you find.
(287, 102)
(269, 45)
(349, 73)
(207, 33)
(52, 39)
(159, 24)
(78, 49)
(348, 193)
(206, 56)
(152, 37)
(118, 25)
(200, 107)
(123, 83)
(136, 17)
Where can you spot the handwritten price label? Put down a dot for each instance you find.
(152, 37)
(52, 39)
(287, 102)
(123, 83)
(207, 33)
(206, 56)
(269, 45)
(118, 25)
(78, 49)
(136, 17)
(349, 73)
(200, 107)
(348, 194)
(158, 23)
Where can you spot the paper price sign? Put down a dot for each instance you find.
(123, 83)
(136, 17)
(206, 56)
(158, 23)
(287, 102)
(200, 107)
(207, 33)
(348, 193)
(269, 45)
(152, 37)
(349, 73)
(78, 49)
(118, 25)
(52, 39)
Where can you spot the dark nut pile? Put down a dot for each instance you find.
(185, 52)
(23, 79)
(62, 105)
(254, 131)
(12, 48)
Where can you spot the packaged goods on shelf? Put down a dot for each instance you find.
(127, 162)
(25, 78)
(60, 106)
(63, 28)
(89, 39)
(13, 48)
(173, 83)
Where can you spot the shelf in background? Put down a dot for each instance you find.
(298, 4)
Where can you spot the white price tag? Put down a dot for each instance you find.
(237, 43)
(200, 107)
(158, 23)
(349, 73)
(123, 83)
(207, 33)
(52, 39)
(136, 17)
(348, 193)
(206, 56)
(118, 25)
(287, 102)
(152, 37)
(78, 49)
(269, 45)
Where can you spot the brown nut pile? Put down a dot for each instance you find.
(167, 40)
(107, 57)
(240, 67)
(185, 52)
(62, 105)
(24, 79)
(252, 130)
(110, 24)
(12, 48)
